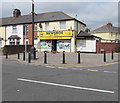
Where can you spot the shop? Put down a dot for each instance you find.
(55, 41)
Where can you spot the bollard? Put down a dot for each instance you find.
(104, 56)
(18, 55)
(34, 54)
(79, 57)
(29, 57)
(112, 56)
(63, 57)
(45, 57)
(24, 56)
(6, 55)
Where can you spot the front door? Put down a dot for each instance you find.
(54, 45)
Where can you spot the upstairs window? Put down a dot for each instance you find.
(62, 24)
(46, 26)
(26, 28)
(14, 29)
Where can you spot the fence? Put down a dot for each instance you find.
(14, 49)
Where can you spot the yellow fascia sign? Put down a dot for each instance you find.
(56, 33)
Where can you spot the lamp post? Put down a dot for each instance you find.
(33, 48)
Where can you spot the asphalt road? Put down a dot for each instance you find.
(37, 83)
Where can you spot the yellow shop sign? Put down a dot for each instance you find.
(55, 33)
(53, 37)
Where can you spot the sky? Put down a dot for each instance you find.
(93, 14)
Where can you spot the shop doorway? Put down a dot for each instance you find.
(54, 45)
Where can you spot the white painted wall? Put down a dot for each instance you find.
(19, 33)
(90, 46)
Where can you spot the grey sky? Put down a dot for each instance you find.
(94, 14)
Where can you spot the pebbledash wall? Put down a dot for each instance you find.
(108, 47)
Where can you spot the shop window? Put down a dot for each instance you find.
(46, 26)
(14, 29)
(62, 24)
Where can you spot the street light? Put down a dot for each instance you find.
(33, 49)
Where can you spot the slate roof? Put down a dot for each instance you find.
(106, 28)
(14, 37)
(86, 35)
(41, 17)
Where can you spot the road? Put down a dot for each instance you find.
(23, 82)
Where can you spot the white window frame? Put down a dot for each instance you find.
(47, 26)
(62, 24)
(14, 29)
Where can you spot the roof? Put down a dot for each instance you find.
(14, 37)
(86, 35)
(106, 28)
(41, 17)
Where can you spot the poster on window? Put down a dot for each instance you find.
(45, 44)
(63, 44)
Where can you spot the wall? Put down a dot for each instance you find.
(19, 33)
(90, 45)
(2, 35)
(102, 35)
(108, 47)
(29, 35)
(108, 36)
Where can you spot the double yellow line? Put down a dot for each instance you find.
(85, 66)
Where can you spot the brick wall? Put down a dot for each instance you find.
(29, 35)
(108, 47)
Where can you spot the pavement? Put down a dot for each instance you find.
(54, 60)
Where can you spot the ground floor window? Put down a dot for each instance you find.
(12, 41)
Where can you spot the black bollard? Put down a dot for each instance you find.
(45, 57)
(112, 56)
(63, 57)
(104, 56)
(24, 56)
(18, 55)
(34, 54)
(29, 57)
(79, 57)
(6, 55)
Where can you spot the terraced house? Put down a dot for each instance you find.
(54, 31)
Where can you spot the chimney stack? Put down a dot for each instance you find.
(110, 24)
(16, 13)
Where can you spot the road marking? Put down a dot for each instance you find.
(87, 65)
(110, 72)
(75, 69)
(92, 70)
(50, 66)
(68, 86)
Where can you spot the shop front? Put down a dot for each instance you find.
(55, 41)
